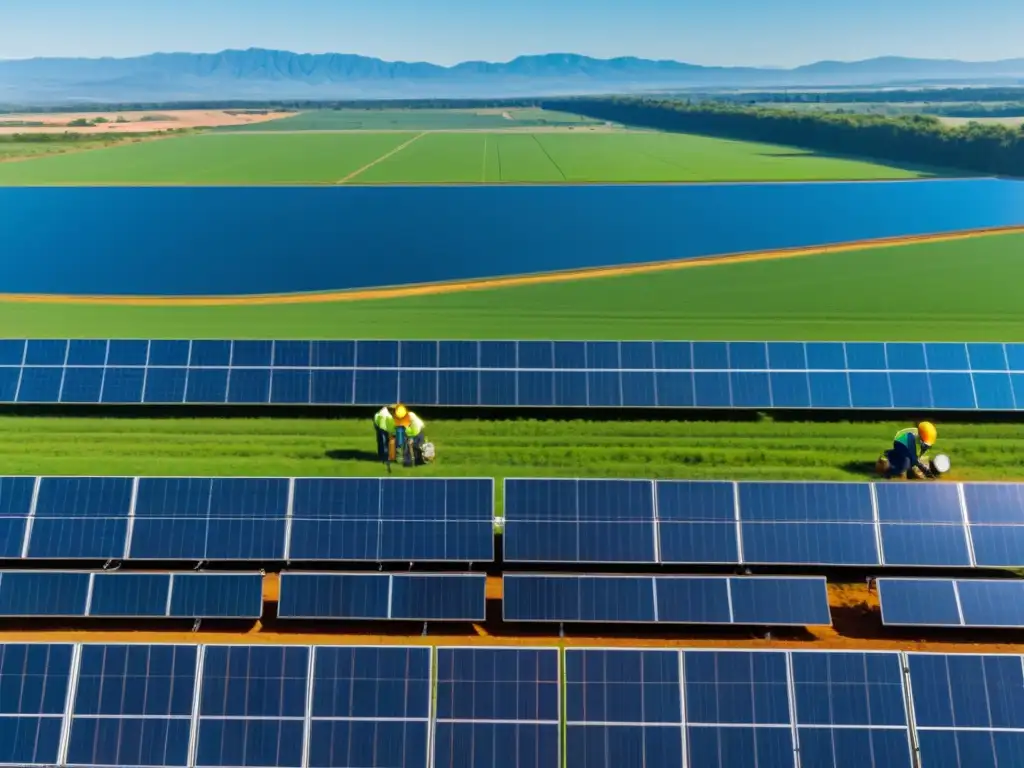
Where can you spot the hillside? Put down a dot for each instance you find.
(259, 73)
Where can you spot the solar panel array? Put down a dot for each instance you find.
(329, 706)
(979, 603)
(135, 595)
(379, 596)
(963, 525)
(673, 374)
(767, 600)
(254, 519)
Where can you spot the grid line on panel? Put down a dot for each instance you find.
(737, 513)
(63, 372)
(959, 606)
(682, 703)
(69, 704)
(307, 722)
(170, 596)
(31, 516)
(289, 517)
(130, 527)
(88, 593)
(791, 696)
(656, 533)
(188, 370)
(962, 498)
(876, 522)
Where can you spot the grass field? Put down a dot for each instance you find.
(930, 291)
(416, 120)
(321, 447)
(371, 158)
(13, 149)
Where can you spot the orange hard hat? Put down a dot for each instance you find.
(400, 411)
(927, 432)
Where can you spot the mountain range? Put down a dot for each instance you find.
(259, 73)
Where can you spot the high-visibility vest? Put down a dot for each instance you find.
(383, 419)
(911, 439)
(416, 425)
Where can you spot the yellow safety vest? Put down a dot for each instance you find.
(416, 425)
(384, 420)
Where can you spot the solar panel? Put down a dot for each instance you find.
(124, 594)
(369, 707)
(922, 525)
(725, 708)
(252, 706)
(420, 597)
(497, 707)
(807, 523)
(133, 705)
(774, 523)
(672, 599)
(995, 518)
(77, 518)
(675, 374)
(587, 521)
(851, 709)
(392, 519)
(980, 603)
(968, 709)
(34, 681)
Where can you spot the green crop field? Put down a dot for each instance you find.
(397, 157)
(523, 448)
(414, 120)
(935, 291)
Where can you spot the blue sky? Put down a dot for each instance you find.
(739, 32)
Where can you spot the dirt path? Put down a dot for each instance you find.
(381, 159)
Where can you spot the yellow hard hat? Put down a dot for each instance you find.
(400, 412)
(927, 432)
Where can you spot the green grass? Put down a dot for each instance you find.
(967, 290)
(289, 158)
(698, 450)
(413, 120)
(212, 159)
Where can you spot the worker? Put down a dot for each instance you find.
(413, 426)
(384, 426)
(908, 449)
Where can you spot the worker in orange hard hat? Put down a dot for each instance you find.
(908, 449)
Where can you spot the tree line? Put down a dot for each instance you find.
(901, 96)
(920, 140)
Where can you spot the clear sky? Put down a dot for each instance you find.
(726, 32)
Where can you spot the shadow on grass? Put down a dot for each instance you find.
(352, 454)
(864, 469)
(926, 171)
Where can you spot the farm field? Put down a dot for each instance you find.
(929, 291)
(416, 120)
(441, 157)
(757, 450)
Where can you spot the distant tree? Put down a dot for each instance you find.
(913, 139)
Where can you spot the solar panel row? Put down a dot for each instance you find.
(785, 523)
(330, 706)
(679, 374)
(952, 602)
(197, 518)
(137, 595)
(758, 600)
(419, 597)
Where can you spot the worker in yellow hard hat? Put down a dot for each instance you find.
(384, 426)
(908, 449)
(412, 427)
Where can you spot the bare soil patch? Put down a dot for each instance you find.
(131, 122)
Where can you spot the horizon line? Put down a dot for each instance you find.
(769, 67)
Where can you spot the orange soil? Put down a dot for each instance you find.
(182, 118)
(856, 626)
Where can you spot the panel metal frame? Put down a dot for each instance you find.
(654, 371)
(654, 592)
(391, 580)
